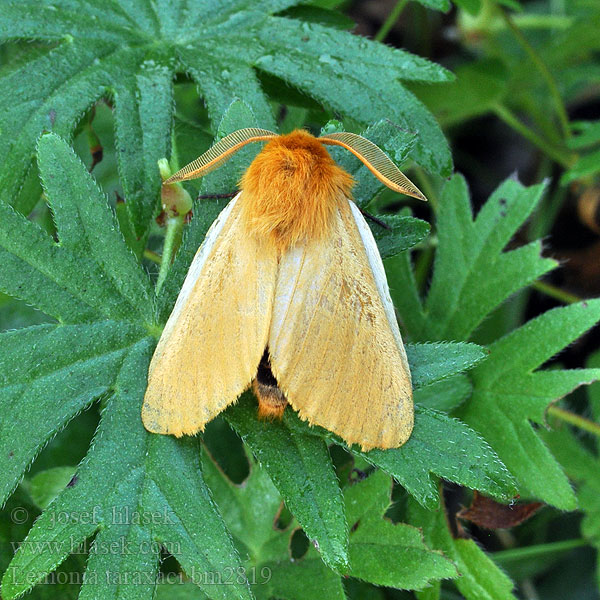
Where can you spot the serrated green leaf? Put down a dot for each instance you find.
(46, 388)
(448, 448)
(301, 469)
(480, 578)
(376, 543)
(250, 511)
(311, 57)
(143, 106)
(131, 53)
(298, 580)
(509, 395)
(46, 485)
(86, 225)
(472, 273)
(435, 361)
(140, 502)
(90, 274)
(403, 233)
(444, 395)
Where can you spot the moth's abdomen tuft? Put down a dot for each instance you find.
(291, 190)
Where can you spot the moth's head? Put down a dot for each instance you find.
(291, 189)
(297, 161)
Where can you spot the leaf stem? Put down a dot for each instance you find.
(172, 240)
(555, 292)
(422, 268)
(425, 184)
(390, 21)
(153, 256)
(574, 419)
(506, 115)
(561, 111)
(538, 550)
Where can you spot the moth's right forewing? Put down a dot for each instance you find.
(213, 341)
(334, 343)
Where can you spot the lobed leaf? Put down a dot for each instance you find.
(472, 272)
(130, 52)
(250, 511)
(135, 500)
(86, 225)
(436, 361)
(301, 469)
(509, 395)
(481, 578)
(42, 389)
(449, 449)
(376, 544)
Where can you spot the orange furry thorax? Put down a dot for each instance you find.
(291, 189)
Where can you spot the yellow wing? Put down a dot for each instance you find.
(213, 341)
(334, 342)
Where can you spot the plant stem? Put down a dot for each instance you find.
(422, 268)
(574, 419)
(172, 240)
(561, 111)
(153, 256)
(502, 112)
(390, 21)
(555, 292)
(518, 554)
(426, 187)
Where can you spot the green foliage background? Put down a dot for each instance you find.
(282, 510)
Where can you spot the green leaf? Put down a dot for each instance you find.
(582, 468)
(585, 166)
(367, 87)
(509, 395)
(448, 448)
(46, 485)
(403, 233)
(433, 362)
(86, 225)
(443, 5)
(446, 394)
(588, 134)
(472, 275)
(47, 388)
(91, 273)
(301, 469)
(480, 578)
(376, 543)
(141, 502)
(250, 511)
(131, 52)
(143, 106)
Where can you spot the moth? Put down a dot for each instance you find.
(287, 294)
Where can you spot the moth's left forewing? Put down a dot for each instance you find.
(335, 346)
